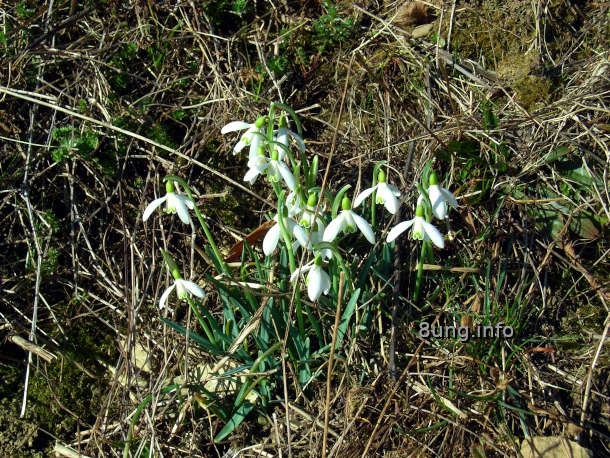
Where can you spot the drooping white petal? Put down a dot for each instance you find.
(399, 229)
(300, 234)
(152, 207)
(439, 206)
(193, 288)
(298, 139)
(241, 144)
(434, 234)
(393, 189)
(363, 195)
(334, 227)
(255, 142)
(179, 206)
(251, 175)
(286, 175)
(300, 270)
(389, 199)
(364, 227)
(235, 125)
(187, 201)
(165, 295)
(314, 283)
(325, 282)
(449, 197)
(271, 239)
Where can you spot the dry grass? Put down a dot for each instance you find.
(513, 102)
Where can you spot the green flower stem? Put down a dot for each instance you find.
(223, 266)
(373, 201)
(138, 412)
(201, 320)
(288, 243)
(420, 272)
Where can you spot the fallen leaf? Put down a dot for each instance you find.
(253, 237)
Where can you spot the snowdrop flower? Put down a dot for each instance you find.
(306, 219)
(386, 194)
(176, 203)
(275, 169)
(347, 221)
(282, 136)
(439, 198)
(273, 235)
(258, 164)
(295, 202)
(183, 287)
(317, 279)
(278, 170)
(422, 230)
(254, 136)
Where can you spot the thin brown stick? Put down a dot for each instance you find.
(329, 373)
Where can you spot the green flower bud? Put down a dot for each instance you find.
(283, 122)
(346, 203)
(260, 151)
(318, 260)
(274, 155)
(314, 168)
(260, 122)
(312, 199)
(419, 211)
(169, 186)
(433, 179)
(381, 176)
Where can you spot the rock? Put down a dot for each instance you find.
(553, 447)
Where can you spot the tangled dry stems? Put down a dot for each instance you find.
(406, 100)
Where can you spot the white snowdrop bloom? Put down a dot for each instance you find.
(317, 280)
(273, 168)
(295, 202)
(257, 165)
(254, 135)
(440, 198)
(274, 234)
(422, 230)
(175, 203)
(307, 216)
(347, 221)
(278, 170)
(387, 194)
(183, 288)
(283, 134)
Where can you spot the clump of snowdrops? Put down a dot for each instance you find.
(291, 288)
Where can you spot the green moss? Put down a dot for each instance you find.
(60, 394)
(490, 33)
(17, 436)
(532, 91)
